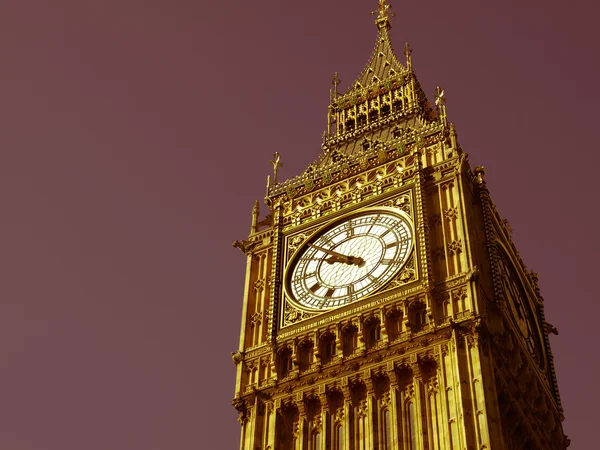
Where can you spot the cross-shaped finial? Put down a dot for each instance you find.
(382, 9)
(336, 81)
(439, 96)
(276, 165)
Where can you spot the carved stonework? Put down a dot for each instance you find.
(293, 315)
(338, 416)
(403, 203)
(295, 242)
(409, 392)
(433, 385)
(362, 409)
(406, 275)
(316, 422)
(436, 220)
(259, 285)
(236, 357)
(455, 247)
(256, 318)
(243, 413)
(451, 214)
(439, 253)
(385, 399)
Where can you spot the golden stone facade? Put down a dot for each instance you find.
(436, 338)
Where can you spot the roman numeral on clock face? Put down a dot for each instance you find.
(324, 240)
(350, 291)
(349, 229)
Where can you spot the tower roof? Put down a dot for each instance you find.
(383, 63)
(384, 109)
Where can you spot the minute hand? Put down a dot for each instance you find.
(343, 258)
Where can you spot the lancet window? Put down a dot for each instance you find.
(394, 324)
(305, 355)
(284, 362)
(349, 339)
(418, 317)
(327, 348)
(372, 332)
(339, 438)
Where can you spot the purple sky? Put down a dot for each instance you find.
(135, 136)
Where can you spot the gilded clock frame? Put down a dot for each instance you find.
(306, 232)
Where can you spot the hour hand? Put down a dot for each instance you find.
(338, 257)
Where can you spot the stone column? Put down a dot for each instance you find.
(301, 425)
(347, 416)
(370, 409)
(394, 413)
(325, 422)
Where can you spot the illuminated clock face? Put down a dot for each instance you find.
(349, 259)
(519, 308)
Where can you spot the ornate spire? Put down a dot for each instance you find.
(380, 103)
(383, 64)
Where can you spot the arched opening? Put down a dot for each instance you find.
(373, 115)
(385, 110)
(284, 362)
(372, 332)
(394, 324)
(418, 317)
(362, 120)
(349, 340)
(327, 348)
(305, 355)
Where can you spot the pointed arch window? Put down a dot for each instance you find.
(385, 110)
(387, 430)
(306, 354)
(316, 441)
(394, 324)
(418, 317)
(349, 340)
(372, 332)
(339, 437)
(411, 426)
(284, 363)
(328, 348)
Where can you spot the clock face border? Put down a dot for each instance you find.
(315, 234)
(523, 315)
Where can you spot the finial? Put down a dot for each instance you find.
(479, 173)
(336, 81)
(439, 96)
(382, 11)
(276, 165)
(407, 53)
(440, 102)
(255, 213)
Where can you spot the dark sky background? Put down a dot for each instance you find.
(135, 136)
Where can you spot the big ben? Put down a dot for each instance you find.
(385, 304)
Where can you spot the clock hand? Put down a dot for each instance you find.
(338, 257)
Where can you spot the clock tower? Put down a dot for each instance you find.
(385, 304)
